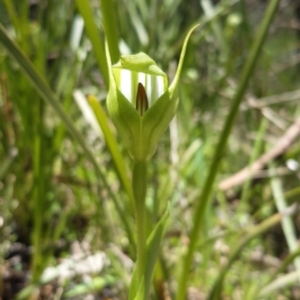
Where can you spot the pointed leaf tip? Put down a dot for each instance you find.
(174, 84)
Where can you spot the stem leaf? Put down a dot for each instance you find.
(153, 249)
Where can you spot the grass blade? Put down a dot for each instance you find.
(220, 149)
(110, 28)
(287, 223)
(279, 283)
(253, 233)
(112, 145)
(41, 86)
(94, 36)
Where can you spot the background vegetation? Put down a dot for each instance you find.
(66, 220)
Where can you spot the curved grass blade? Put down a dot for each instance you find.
(112, 145)
(44, 90)
(253, 233)
(286, 262)
(110, 28)
(94, 36)
(280, 283)
(221, 146)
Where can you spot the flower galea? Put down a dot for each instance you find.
(140, 102)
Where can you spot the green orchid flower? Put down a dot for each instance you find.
(140, 102)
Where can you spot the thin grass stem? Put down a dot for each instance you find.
(254, 155)
(43, 89)
(248, 237)
(287, 223)
(110, 27)
(220, 149)
(93, 33)
(139, 187)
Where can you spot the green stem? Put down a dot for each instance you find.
(220, 149)
(38, 197)
(246, 190)
(139, 187)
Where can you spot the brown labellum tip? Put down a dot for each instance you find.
(141, 99)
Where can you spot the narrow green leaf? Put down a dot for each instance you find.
(96, 284)
(7, 161)
(222, 143)
(110, 27)
(94, 36)
(27, 293)
(137, 23)
(43, 89)
(283, 282)
(153, 248)
(175, 82)
(285, 263)
(210, 11)
(112, 145)
(14, 18)
(152, 253)
(287, 223)
(134, 285)
(244, 241)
